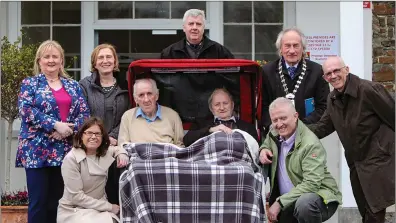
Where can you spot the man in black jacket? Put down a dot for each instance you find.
(195, 45)
(222, 107)
(294, 77)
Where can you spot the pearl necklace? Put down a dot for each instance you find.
(109, 88)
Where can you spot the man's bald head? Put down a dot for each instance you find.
(334, 59)
(335, 72)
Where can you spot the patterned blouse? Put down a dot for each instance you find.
(39, 112)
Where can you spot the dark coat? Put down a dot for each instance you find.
(201, 128)
(95, 98)
(210, 50)
(312, 86)
(364, 119)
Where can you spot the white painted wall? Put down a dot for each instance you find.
(356, 50)
(10, 26)
(310, 18)
(87, 36)
(18, 176)
(322, 18)
(3, 18)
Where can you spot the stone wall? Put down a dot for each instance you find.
(384, 44)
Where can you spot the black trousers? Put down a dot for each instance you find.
(112, 185)
(367, 215)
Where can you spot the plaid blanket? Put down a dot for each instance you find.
(213, 180)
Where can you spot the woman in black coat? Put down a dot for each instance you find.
(106, 91)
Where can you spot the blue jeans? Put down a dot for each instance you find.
(45, 188)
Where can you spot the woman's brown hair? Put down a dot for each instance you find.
(77, 141)
(95, 53)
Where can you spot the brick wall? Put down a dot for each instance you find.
(384, 43)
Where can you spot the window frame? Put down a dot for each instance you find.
(150, 24)
(51, 25)
(289, 15)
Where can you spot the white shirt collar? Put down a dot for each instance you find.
(232, 118)
(287, 65)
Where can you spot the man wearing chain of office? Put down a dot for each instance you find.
(294, 77)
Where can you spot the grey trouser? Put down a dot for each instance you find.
(309, 208)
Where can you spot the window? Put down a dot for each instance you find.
(138, 44)
(60, 21)
(146, 9)
(251, 28)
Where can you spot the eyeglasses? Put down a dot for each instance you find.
(335, 71)
(90, 134)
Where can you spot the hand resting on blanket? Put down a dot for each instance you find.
(122, 160)
(222, 128)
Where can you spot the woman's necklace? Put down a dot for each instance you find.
(52, 80)
(107, 89)
(104, 84)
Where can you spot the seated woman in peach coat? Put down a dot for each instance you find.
(84, 171)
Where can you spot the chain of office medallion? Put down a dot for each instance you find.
(300, 78)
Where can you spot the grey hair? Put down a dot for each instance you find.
(278, 42)
(151, 81)
(217, 90)
(282, 101)
(194, 13)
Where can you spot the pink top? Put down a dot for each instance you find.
(63, 100)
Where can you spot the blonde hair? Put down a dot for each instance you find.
(95, 53)
(42, 49)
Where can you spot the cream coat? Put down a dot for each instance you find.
(84, 198)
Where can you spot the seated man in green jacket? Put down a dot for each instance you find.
(302, 190)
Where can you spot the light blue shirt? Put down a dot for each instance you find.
(139, 112)
(284, 182)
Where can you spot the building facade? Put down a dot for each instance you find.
(142, 29)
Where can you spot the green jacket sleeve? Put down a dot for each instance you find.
(313, 168)
(266, 144)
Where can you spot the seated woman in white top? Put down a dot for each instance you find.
(84, 172)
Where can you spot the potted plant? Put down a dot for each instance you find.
(14, 207)
(261, 62)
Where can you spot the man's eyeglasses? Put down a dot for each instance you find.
(335, 71)
(90, 134)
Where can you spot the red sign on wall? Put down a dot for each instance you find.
(366, 4)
